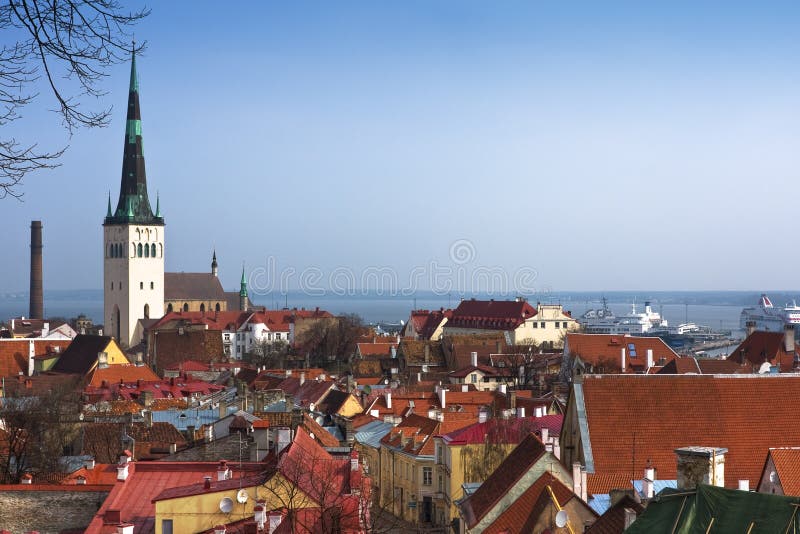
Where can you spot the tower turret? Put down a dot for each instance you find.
(244, 302)
(214, 263)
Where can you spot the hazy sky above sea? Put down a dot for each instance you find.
(589, 145)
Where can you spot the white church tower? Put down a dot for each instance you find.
(133, 240)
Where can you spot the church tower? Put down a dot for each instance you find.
(133, 239)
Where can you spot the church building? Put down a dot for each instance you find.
(134, 283)
(133, 239)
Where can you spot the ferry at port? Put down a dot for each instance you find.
(603, 321)
(767, 317)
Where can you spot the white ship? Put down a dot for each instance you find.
(603, 321)
(767, 317)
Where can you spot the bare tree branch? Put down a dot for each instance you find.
(70, 44)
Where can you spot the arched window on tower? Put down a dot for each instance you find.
(110, 251)
(216, 308)
(146, 311)
(185, 307)
(147, 251)
(169, 308)
(160, 250)
(139, 250)
(153, 250)
(203, 307)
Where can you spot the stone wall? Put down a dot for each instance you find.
(48, 511)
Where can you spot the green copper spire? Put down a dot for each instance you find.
(108, 213)
(133, 204)
(158, 205)
(243, 284)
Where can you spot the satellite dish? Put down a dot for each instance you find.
(561, 519)
(241, 496)
(226, 505)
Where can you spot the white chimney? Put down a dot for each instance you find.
(260, 515)
(545, 434)
(125, 457)
(388, 396)
(27, 479)
(431, 413)
(275, 519)
(521, 412)
(31, 355)
(503, 389)
(473, 358)
(442, 398)
(302, 378)
(649, 358)
(482, 416)
(584, 486)
(375, 413)
(223, 473)
(125, 528)
(556, 448)
(622, 351)
(648, 483)
(122, 472)
(744, 485)
(464, 388)
(576, 478)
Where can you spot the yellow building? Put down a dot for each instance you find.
(471, 454)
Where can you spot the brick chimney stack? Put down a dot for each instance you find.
(36, 308)
(700, 465)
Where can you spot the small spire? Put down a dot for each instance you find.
(134, 88)
(243, 284)
(108, 214)
(214, 263)
(158, 204)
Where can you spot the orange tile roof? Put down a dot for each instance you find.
(376, 349)
(523, 514)
(505, 477)
(761, 346)
(321, 435)
(655, 414)
(114, 374)
(787, 467)
(606, 349)
(14, 353)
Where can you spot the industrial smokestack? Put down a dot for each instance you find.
(36, 308)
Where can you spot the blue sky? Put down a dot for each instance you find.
(603, 145)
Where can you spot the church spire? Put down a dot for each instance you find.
(244, 302)
(214, 263)
(133, 204)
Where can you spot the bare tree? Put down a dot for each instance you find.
(69, 44)
(332, 339)
(269, 354)
(37, 429)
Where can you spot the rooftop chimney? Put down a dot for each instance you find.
(206, 482)
(750, 326)
(788, 338)
(27, 479)
(622, 352)
(260, 515)
(700, 465)
(122, 472)
(473, 358)
(302, 378)
(36, 308)
(388, 396)
(125, 528)
(648, 484)
(223, 473)
(649, 358)
(744, 485)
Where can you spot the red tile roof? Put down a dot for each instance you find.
(613, 520)
(425, 322)
(113, 374)
(491, 314)
(760, 347)
(376, 349)
(511, 430)
(494, 488)
(655, 414)
(14, 353)
(133, 498)
(787, 467)
(523, 514)
(606, 350)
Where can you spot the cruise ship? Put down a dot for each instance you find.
(603, 321)
(765, 316)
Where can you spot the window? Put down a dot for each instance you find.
(139, 250)
(169, 308)
(146, 311)
(203, 307)
(146, 251)
(542, 324)
(152, 285)
(185, 307)
(535, 324)
(473, 378)
(216, 308)
(141, 285)
(441, 483)
(166, 526)
(153, 250)
(277, 335)
(427, 476)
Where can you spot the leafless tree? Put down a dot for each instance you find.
(67, 44)
(36, 429)
(269, 354)
(332, 340)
